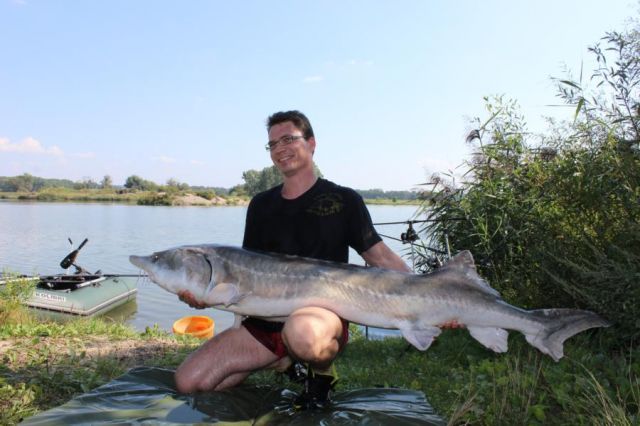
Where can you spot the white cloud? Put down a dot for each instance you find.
(29, 146)
(313, 79)
(19, 2)
(197, 162)
(164, 159)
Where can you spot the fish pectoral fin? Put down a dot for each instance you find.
(225, 294)
(421, 338)
(237, 298)
(491, 337)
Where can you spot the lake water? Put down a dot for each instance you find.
(33, 239)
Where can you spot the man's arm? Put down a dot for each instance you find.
(382, 256)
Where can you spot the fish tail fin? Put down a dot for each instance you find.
(559, 325)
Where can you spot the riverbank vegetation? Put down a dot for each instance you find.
(559, 221)
(553, 220)
(137, 190)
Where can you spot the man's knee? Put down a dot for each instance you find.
(301, 339)
(313, 336)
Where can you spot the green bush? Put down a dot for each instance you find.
(208, 195)
(556, 225)
(14, 292)
(156, 199)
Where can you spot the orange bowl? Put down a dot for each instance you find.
(196, 326)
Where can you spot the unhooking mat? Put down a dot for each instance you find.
(147, 396)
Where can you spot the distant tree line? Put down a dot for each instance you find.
(255, 181)
(29, 183)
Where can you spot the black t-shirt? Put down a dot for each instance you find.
(322, 223)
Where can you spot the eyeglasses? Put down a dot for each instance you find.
(285, 140)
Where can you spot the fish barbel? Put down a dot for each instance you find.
(272, 286)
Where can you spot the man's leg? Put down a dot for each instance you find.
(222, 362)
(313, 335)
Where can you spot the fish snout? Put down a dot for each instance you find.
(141, 262)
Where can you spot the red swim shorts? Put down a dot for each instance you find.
(270, 334)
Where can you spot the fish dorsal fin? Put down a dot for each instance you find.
(462, 260)
(463, 263)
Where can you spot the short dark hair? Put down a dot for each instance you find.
(296, 117)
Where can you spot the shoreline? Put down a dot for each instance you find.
(143, 198)
(148, 198)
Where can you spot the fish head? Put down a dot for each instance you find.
(177, 269)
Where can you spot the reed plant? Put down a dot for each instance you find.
(553, 219)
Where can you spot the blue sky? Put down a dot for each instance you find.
(168, 89)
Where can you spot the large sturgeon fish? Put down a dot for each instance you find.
(272, 286)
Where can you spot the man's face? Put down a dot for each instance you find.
(296, 156)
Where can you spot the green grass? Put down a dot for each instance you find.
(44, 364)
(468, 384)
(49, 364)
(471, 385)
(13, 292)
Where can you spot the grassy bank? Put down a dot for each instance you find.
(79, 195)
(124, 196)
(45, 364)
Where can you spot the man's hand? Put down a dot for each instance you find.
(186, 297)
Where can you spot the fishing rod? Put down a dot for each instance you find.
(87, 275)
(124, 275)
(409, 222)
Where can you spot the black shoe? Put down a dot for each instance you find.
(317, 390)
(297, 372)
